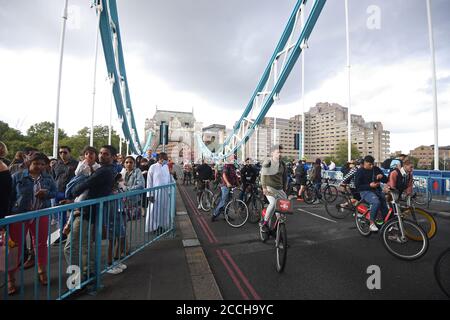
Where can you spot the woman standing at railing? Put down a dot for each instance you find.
(5, 182)
(32, 190)
(134, 180)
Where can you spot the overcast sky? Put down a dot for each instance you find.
(209, 55)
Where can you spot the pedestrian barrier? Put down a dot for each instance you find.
(101, 234)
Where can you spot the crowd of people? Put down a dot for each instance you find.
(275, 179)
(32, 182)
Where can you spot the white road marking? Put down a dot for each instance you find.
(316, 215)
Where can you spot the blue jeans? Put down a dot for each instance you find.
(223, 198)
(377, 201)
(317, 186)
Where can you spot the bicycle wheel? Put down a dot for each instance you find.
(421, 196)
(255, 206)
(330, 194)
(404, 247)
(236, 213)
(309, 195)
(362, 224)
(281, 247)
(340, 208)
(425, 220)
(206, 200)
(442, 272)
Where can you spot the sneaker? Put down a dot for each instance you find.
(300, 199)
(373, 227)
(199, 207)
(114, 270)
(213, 218)
(121, 266)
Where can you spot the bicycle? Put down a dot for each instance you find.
(277, 228)
(206, 197)
(421, 195)
(254, 203)
(343, 206)
(235, 210)
(397, 233)
(329, 193)
(442, 271)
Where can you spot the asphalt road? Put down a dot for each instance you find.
(327, 259)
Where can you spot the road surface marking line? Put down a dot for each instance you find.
(241, 275)
(316, 215)
(202, 218)
(210, 239)
(232, 275)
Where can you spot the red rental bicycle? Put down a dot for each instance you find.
(403, 238)
(277, 229)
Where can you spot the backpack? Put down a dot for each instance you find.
(72, 183)
(387, 163)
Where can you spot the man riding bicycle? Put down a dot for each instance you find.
(273, 181)
(229, 180)
(204, 173)
(248, 177)
(367, 182)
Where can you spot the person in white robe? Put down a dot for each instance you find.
(158, 212)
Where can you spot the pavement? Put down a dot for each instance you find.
(170, 269)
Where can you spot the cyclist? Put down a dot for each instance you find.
(367, 182)
(187, 172)
(316, 178)
(248, 178)
(229, 180)
(349, 178)
(401, 180)
(273, 180)
(301, 176)
(204, 172)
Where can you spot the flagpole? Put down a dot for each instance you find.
(349, 116)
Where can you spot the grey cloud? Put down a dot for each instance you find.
(219, 48)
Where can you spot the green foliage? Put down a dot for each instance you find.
(40, 136)
(342, 153)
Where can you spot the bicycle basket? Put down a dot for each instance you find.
(285, 206)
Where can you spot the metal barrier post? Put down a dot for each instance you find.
(98, 247)
(173, 193)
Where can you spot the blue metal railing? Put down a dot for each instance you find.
(101, 234)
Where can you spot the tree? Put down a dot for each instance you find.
(40, 136)
(342, 153)
(13, 139)
(414, 161)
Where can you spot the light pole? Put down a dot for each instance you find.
(349, 117)
(58, 94)
(433, 72)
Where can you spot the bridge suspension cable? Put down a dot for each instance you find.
(273, 78)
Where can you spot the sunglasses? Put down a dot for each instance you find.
(63, 152)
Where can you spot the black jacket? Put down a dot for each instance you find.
(248, 174)
(99, 184)
(364, 178)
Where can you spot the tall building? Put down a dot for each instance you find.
(275, 131)
(213, 136)
(182, 130)
(326, 127)
(425, 155)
